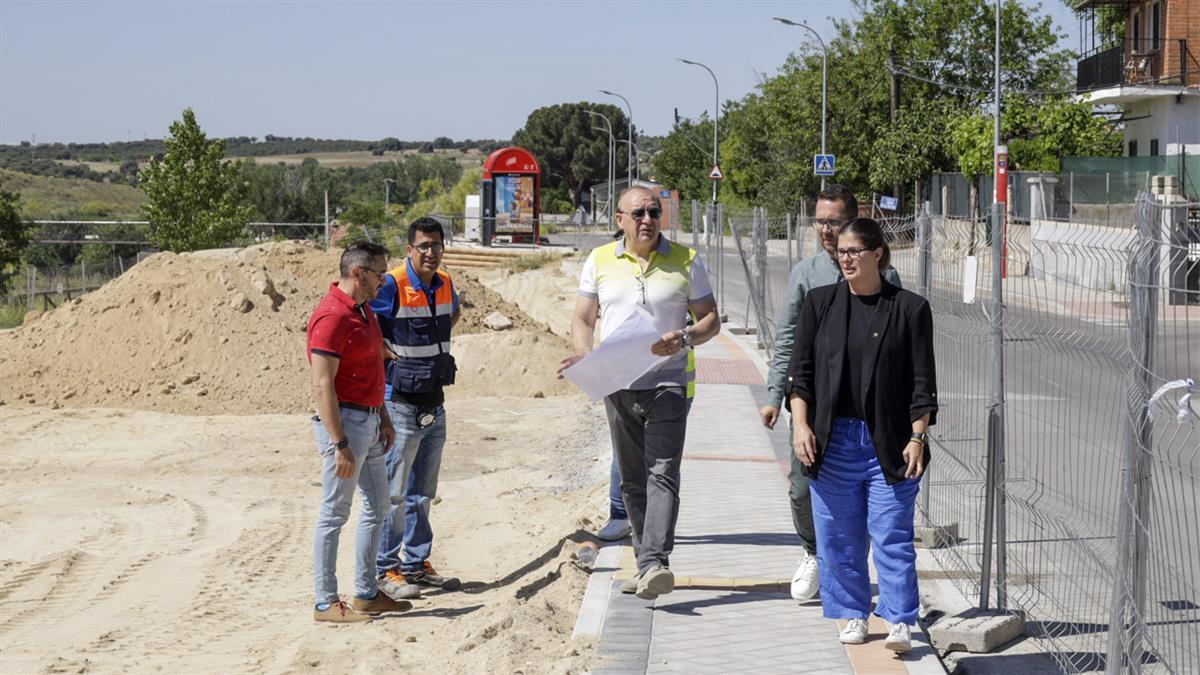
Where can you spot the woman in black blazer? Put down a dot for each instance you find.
(862, 393)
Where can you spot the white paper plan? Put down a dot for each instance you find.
(620, 359)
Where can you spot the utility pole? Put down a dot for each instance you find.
(895, 92)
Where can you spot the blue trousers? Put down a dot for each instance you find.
(851, 501)
(362, 430)
(413, 464)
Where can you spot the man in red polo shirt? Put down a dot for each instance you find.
(353, 432)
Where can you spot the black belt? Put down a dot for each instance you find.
(374, 410)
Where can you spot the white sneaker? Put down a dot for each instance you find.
(615, 529)
(855, 632)
(807, 579)
(898, 639)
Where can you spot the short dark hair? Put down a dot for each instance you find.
(840, 193)
(360, 255)
(428, 226)
(871, 234)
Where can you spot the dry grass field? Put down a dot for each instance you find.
(43, 196)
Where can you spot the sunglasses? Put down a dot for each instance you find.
(638, 214)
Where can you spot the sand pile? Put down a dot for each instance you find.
(222, 331)
(547, 294)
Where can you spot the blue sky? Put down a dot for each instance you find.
(107, 71)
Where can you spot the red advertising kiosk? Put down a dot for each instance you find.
(511, 197)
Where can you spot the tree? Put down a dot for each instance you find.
(14, 236)
(570, 151)
(194, 199)
(943, 59)
(684, 159)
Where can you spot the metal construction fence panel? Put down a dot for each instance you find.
(1066, 452)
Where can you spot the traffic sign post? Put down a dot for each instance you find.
(823, 165)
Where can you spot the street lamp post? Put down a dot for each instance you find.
(612, 152)
(716, 117)
(824, 77)
(629, 135)
(387, 193)
(637, 169)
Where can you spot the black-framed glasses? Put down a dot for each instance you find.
(829, 224)
(852, 253)
(430, 247)
(638, 214)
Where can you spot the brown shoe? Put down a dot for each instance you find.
(339, 612)
(380, 604)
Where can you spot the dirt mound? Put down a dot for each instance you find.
(510, 363)
(478, 301)
(211, 332)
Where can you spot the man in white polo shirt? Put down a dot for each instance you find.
(648, 420)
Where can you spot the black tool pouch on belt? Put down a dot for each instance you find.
(444, 369)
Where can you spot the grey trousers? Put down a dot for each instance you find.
(802, 509)
(648, 428)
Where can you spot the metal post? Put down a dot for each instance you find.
(824, 77)
(612, 153)
(720, 254)
(995, 501)
(327, 220)
(29, 275)
(716, 121)
(788, 222)
(1071, 196)
(1107, 201)
(1127, 622)
(924, 280)
(629, 153)
(695, 225)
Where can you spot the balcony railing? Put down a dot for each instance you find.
(1104, 68)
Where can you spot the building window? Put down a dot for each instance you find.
(1155, 27)
(1154, 147)
(1133, 148)
(1135, 34)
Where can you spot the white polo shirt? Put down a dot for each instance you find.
(673, 279)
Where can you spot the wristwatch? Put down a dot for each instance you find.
(343, 444)
(920, 436)
(685, 337)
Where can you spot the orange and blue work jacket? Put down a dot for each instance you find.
(415, 319)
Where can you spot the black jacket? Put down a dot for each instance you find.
(899, 381)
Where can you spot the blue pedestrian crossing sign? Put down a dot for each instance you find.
(823, 165)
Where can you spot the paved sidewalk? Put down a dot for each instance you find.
(735, 552)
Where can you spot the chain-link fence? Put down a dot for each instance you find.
(1065, 487)
(45, 287)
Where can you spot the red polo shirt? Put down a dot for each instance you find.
(349, 332)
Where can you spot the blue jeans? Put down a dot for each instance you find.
(370, 474)
(851, 501)
(413, 464)
(616, 505)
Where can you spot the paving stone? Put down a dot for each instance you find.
(734, 556)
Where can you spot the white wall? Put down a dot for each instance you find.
(1168, 121)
